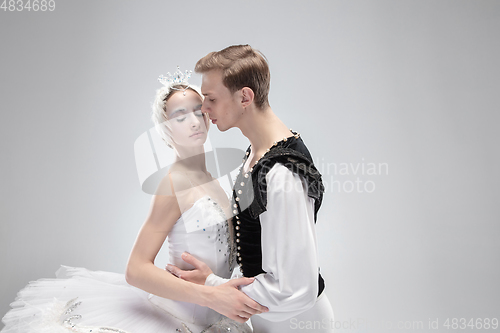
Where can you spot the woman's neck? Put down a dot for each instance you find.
(191, 158)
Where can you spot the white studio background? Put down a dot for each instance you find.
(397, 101)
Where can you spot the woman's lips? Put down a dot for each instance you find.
(196, 134)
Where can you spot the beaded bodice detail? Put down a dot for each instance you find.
(250, 198)
(203, 230)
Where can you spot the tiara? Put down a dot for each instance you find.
(177, 78)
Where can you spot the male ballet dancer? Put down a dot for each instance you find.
(276, 198)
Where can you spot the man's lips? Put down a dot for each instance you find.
(213, 121)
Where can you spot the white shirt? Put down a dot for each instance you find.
(289, 252)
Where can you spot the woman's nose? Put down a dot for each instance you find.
(195, 121)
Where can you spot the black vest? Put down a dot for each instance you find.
(250, 199)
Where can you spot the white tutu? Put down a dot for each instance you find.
(79, 300)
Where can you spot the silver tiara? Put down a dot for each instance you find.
(177, 78)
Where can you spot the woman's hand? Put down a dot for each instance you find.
(228, 300)
(198, 275)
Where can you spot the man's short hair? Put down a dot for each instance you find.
(241, 66)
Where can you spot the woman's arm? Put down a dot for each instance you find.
(142, 273)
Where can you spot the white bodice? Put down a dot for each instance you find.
(203, 231)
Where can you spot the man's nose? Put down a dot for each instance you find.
(204, 108)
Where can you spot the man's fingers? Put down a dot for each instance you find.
(174, 270)
(187, 257)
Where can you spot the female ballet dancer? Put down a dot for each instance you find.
(190, 208)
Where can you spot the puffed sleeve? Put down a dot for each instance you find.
(289, 253)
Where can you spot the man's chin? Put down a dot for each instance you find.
(221, 129)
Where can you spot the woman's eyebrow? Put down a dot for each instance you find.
(177, 111)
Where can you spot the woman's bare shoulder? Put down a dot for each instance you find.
(173, 182)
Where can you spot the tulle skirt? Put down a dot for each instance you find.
(79, 300)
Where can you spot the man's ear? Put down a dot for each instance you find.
(247, 96)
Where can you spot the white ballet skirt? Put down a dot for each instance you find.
(80, 300)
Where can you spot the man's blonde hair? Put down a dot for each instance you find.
(241, 66)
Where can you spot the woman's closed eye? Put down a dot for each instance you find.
(181, 115)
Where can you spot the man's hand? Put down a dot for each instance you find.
(197, 275)
(226, 299)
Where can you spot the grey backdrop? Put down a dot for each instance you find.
(397, 101)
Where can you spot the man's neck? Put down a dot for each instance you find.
(262, 128)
